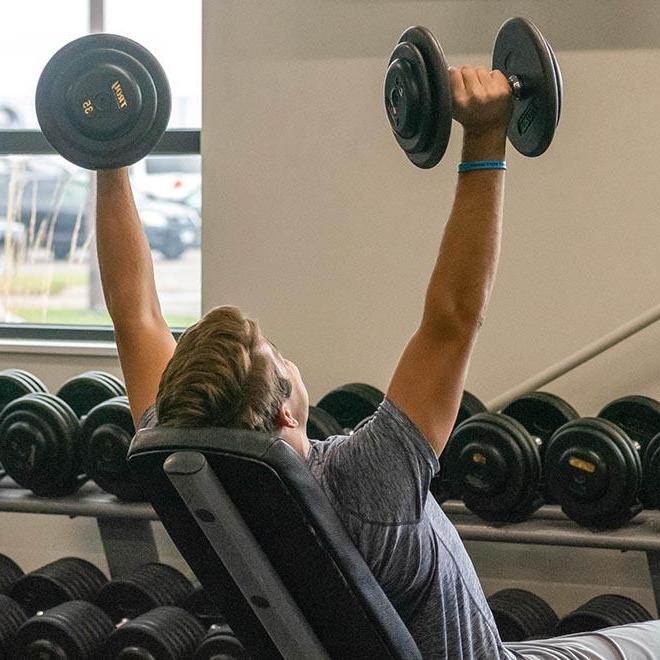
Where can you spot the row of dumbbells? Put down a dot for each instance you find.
(53, 443)
(521, 615)
(68, 609)
(602, 470)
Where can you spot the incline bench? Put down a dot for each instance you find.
(263, 539)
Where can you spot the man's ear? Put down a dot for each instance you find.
(285, 419)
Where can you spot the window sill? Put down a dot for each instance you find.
(58, 347)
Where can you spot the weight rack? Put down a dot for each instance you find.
(128, 539)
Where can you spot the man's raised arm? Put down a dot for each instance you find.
(428, 382)
(144, 341)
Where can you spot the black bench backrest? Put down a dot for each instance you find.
(295, 525)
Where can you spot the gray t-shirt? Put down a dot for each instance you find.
(378, 482)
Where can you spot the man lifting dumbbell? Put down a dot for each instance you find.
(225, 372)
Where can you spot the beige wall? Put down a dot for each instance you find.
(316, 224)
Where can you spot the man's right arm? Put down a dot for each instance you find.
(144, 341)
(428, 382)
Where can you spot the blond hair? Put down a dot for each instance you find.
(219, 376)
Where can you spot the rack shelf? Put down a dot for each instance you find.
(128, 539)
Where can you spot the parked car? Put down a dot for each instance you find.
(194, 199)
(171, 228)
(53, 212)
(167, 177)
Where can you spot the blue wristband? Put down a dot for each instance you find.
(482, 165)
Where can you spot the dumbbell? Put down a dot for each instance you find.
(106, 434)
(418, 98)
(639, 417)
(146, 588)
(603, 612)
(469, 407)
(15, 383)
(199, 603)
(164, 633)
(220, 643)
(40, 434)
(69, 578)
(494, 461)
(12, 617)
(593, 465)
(103, 101)
(10, 571)
(542, 414)
(75, 630)
(350, 404)
(521, 615)
(321, 424)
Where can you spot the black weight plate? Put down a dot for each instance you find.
(650, 493)
(431, 112)
(408, 98)
(594, 471)
(638, 416)
(35, 446)
(68, 415)
(66, 579)
(220, 642)
(470, 406)
(105, 437)
(12, 617)
(521, 615)
(521, 50)
(149, 586)
(71, 631)
(602, 612)
(495, 465)
(76, 477)
(541, 413)
(10, 571)
(72, 425)
(35, 382)
(12, 386)
(86, 390)
(27, 382)
(559, 79)
(103, 101)
(351, 403)
(204, 608)
(165, 632)
(321, 424)
(115, 385)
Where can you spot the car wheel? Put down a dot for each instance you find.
(173, 250)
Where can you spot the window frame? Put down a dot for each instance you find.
(31, 142)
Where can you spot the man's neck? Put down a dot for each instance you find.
(297, 439)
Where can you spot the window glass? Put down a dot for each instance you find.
(172, 31)
(48, 266)
(32, 31)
